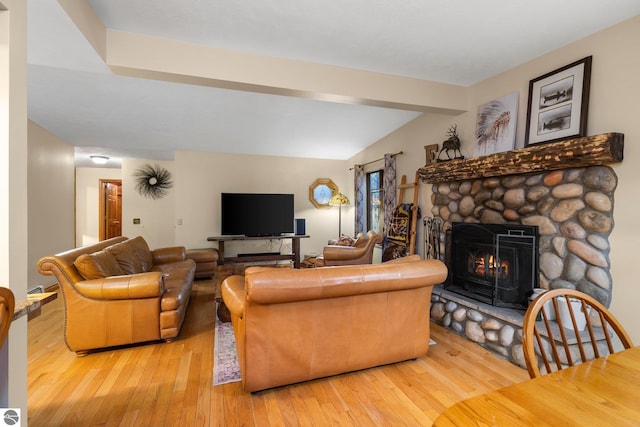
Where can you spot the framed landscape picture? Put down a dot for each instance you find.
(559, 103)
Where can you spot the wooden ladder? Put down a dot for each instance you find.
(414, 208)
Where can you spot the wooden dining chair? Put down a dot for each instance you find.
(550, 325)
(7, 305)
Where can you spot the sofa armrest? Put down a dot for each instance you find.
(233, 295)
(133, 286)
(168, 255)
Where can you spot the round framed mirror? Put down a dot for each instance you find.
(321, 191)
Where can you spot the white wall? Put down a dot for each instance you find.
(51, 199)
(201, 177)
(194, 200)
(88, 202)
(615, 89)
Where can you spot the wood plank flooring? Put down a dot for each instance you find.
(161, 384)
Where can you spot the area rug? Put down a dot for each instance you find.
(226, 368)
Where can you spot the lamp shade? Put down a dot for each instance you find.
(339, 200)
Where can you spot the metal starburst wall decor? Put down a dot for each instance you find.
(153, 181)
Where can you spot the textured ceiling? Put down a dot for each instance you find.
(73, 94)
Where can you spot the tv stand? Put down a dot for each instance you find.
(258, 254)
(294, 256)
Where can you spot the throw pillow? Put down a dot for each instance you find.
(345, 241)
(126, 257)
(142, 252)
(97, 265)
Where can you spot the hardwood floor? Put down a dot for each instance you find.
(161, 384)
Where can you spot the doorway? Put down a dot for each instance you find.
(110, 209)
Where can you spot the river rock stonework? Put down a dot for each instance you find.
(573, 209)
(498, 330)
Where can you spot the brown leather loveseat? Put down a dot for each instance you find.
(296, 325)
(118, 291)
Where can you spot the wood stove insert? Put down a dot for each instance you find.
(493, 263)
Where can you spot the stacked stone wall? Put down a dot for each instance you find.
(573, 209)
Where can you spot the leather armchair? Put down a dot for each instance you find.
(360, 253)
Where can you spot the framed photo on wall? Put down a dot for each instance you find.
(559, 103)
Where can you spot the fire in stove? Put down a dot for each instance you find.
(488, 266)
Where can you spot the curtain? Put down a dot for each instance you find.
(389, 188)
(360, 185)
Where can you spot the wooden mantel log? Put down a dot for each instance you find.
(578, 152)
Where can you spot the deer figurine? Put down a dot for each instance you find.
(451, 144)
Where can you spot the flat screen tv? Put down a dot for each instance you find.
(257, 214)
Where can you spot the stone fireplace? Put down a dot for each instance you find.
(569, 204)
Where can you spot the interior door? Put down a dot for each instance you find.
(110, 209)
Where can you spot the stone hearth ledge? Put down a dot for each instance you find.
(497, 329)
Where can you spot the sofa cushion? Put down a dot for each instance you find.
(178, 277)
(123, 253)
(133, 255)
(97, 265)
(142, 252)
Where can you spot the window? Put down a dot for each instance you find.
(375, 198)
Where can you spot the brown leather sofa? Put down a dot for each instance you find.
(296, 325)
(118, 292)
(361, 252)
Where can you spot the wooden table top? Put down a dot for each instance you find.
(605, 391)
(31, 306)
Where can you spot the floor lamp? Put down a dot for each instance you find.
(339, 200)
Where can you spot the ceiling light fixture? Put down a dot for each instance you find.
(99, 160)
